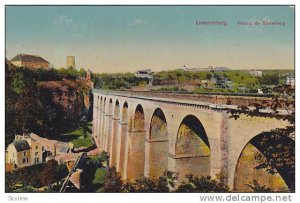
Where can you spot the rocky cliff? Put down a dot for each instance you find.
(72, 96)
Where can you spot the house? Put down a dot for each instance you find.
(24, 151)
(256, 73)
(30, 61)
(143, 73)
(18, 154)
(223, 82)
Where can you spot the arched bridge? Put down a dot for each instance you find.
(147, 133)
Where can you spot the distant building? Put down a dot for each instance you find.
(256, 73)
(224, 82)
(209, 69)
(147, 73)
(70, 61)
(221, 81)
(220, 69)
(290, 80)
(143, 73)
(29, 61)
(24, 151)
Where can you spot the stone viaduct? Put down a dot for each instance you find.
(147, 133)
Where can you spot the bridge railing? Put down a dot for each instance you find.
(229, 99)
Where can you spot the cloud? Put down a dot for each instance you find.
(63, 20)
(66, 24)
(138, 23)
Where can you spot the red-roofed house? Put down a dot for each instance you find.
(30, 61)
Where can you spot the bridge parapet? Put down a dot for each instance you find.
(216, 102)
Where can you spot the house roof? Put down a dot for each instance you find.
(75, 178)
(29, 58)
(21, 145)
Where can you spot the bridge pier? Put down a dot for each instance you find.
(136, 155)
(156, 157)
(95, 119)
(107, 132)
(101, 125)
(122, 129)
(99, 135)
(197, 166)
(114, 140)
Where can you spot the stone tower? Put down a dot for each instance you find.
(70, 61)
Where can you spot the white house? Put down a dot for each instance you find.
(256, 73)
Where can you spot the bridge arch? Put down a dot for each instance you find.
(157, 145)
(252, 163)
(136, 145)
(192, 148)
(139, 119)
(117, 109)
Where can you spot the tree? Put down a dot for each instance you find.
(82, 72)
(49, 174)
(22, 107)
(164, 183)
(269, 79)
(113, 181)
(208, 76)
(276, 145)
(167, 182)
(202, 184)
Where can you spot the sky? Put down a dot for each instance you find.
(129, 38)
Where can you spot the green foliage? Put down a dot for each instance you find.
(26, 189)
(26, 176)
(30, 106)
(103, 155)
(239, 78)
(99, 176)
(113, 181)
(259, 188)
(167, 182)
(92, 178)
(82, 72)
(49, 175)
(276, 145)
(80, 137)
(18, 83)
(202, 184)
(269, 79)
(22, 106)
(35, 176)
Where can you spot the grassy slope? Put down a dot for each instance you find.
(78, 139)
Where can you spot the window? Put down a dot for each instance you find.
(36, 147)
(24, 153)
(23, 161)
(36, 153)
(27, 160)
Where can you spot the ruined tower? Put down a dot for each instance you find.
(70, 61)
